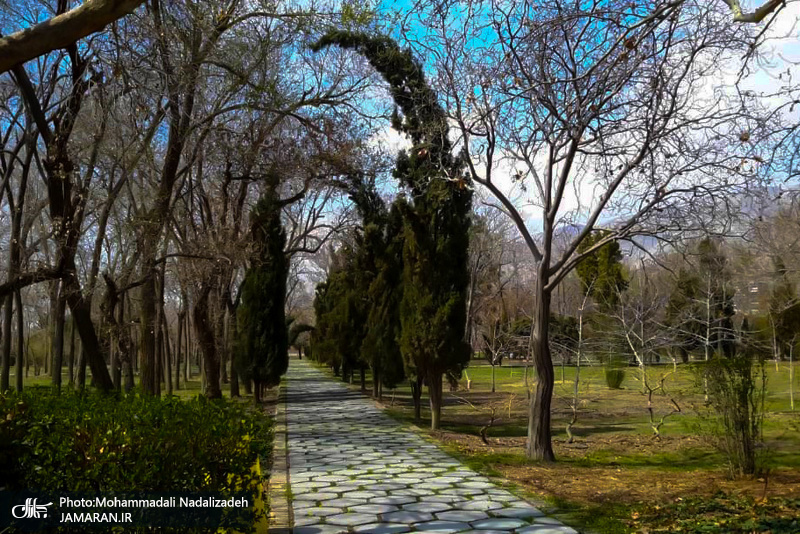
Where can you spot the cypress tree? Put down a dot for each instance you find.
(380, 348)
(336, 340)
(436, 235)
(683, 313)
(263, 345)
(601, 273)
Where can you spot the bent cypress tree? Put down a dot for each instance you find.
(263, 345)
(435, 276)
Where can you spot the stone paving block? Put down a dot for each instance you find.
(313, 496)
(342, 503)
(407, 517)
(430, 507)
(320, 511)
(499, 523)
(374, 508)
(478, 504)
(363, 495)
(382, 528)
(305, 520)
(519, 512)
(441, 527)
(351, 519)
(464, 516)
(394, 499)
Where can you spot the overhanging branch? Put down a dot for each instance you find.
(61, 30)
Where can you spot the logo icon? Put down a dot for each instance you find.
(30, 510)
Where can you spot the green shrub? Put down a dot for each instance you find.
(735, 389)
(99, 443)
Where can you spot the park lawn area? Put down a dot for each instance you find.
(616, 477)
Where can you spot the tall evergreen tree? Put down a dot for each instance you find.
(784, 311)
(601, 273)
(435, 276)
(263, 345)
(336, 341)
(683, 313)
(380, 348)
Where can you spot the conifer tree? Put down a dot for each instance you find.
(262, 351)
(336, 341)
(784, 311)
(601, 273)
(380, 348)
(683, 313)
(435, 276)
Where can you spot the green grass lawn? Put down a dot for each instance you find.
(187, 389)
(616, 471)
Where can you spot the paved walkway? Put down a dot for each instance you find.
(353, 469)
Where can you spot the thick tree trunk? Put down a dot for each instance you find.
(235, 383)
(91, 350)
(363, 376)
(205, 337)
(80, 382)
(435, 400)
(540, 445)
(148, 379)
(375, 383)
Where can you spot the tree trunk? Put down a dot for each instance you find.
(205, 337)
(148, 377)
(80, 383)
(91, 350)
(178, 349)
(416, 395)
(71, 361)
(21, 339)
(375, 383)
(234, 333)
(540, 445)
(6, 368)
(363, 373)
(435, 400)
(58, 339)
(187, 368)
(167, 355)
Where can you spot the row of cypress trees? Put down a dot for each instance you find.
(396, 303)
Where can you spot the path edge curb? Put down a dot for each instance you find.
(280, 511)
